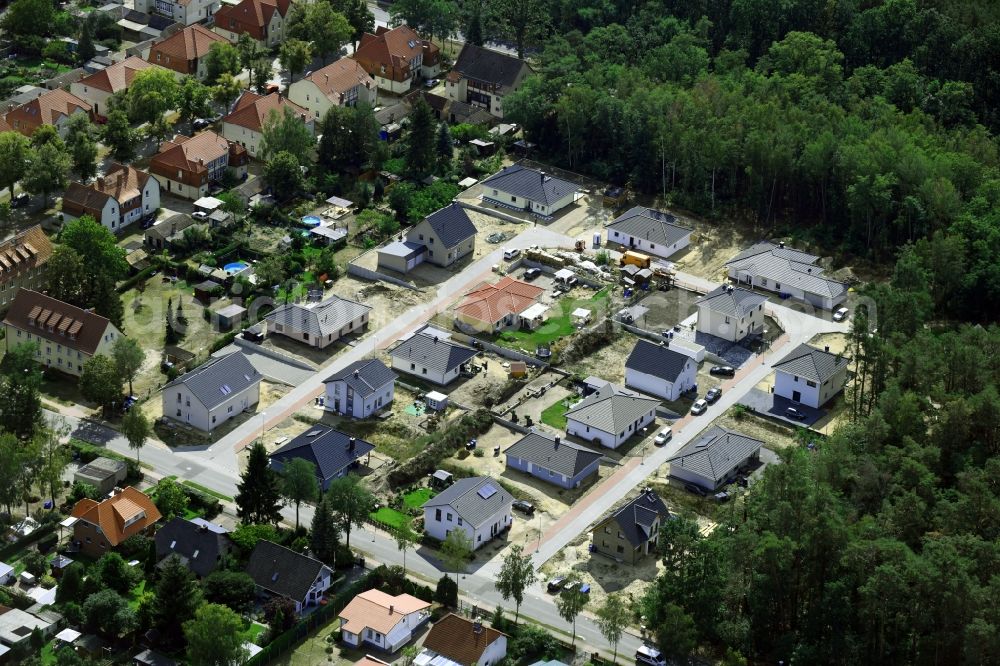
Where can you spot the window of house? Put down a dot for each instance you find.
(437, 515)
(796, 379)
(620, 549)
(229, 410)
(777, 285)
(810, 384)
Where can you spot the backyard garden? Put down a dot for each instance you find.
(560, 323)
(403, 508)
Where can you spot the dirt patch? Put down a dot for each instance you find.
(774, 435)
(666, 308)
(608, 362)
(837, 342)
(711, 247)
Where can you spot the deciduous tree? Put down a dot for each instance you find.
(516, 574)
(214, 637)
(285, 131)
(351, 503)
(153, 92)
(47, 170)
(100, 382)
(612, 619)
(136, 429)
(20, 391)
(570, 603)
(128, 356)
(295, 55)
(14, 153)
(299, 484)
(119, 136)
(319, 24)
(222, 58)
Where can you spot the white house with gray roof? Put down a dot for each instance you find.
(360, 389)
(649, 231)
(714, 458)
(529, 190)
(658, 370)
(214, 392)
(431, 357)
(447, 234)
(319, 324)
(810, 376)
(731, 313)
(610, 415)
(553, 460)
(478, 505)
(773, 267)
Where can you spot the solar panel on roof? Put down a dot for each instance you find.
(487, 491)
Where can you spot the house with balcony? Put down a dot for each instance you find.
(187, 166)
(397, 58)
(120, 197)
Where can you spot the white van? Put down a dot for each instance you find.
(647, 655)
(511, 253)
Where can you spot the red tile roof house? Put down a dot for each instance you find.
(245, 124)
(490, 308)
(264, 20)
(117, 199)
(101, 85)
(101, 526)
(186, 165)
(67, 336)
(184, 52)
(53, 108)
(398, 57)
(341, 83)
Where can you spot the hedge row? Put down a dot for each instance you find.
(139, 277)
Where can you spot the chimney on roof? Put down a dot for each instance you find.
(203, 528)
(477, 626)
(826, 348)
(781, 244)
(357, 373)
(435, 338)
(558, 441)
(391, 609)
(100, 181)
(351, 443)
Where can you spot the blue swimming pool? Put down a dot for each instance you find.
(311, 220)
(235, 267)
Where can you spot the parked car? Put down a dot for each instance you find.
(699, 407)
(793, 413)
(20, 200)
(471, 444)
(722, 371)
(695, 489)
(524, 507)
(200, 123)
(647, 655)
(199, 215)
(840, 314)
(556, 584)
(713, 395)
(430, 83)
(531, 273)
(511, 253)
(663, 437)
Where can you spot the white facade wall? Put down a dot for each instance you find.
(307, 94)
(691, 476)
(820, 301)
(729, 328)
(414, 368)
(62, 357)
(659, 387)
(528, 205)
(494, 652)
(798, 389)
(438, 527)
(647, 247)
(180, 405)
(337, 399)
(179, 189)
(320, 342)
(95, 96)
(611, 440)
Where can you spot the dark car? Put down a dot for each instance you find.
(200, 123)
(713, 395)
(793, 413)
(531, 273)
(556, 584)
(19, 200)
(471, 444)
(722, 371)
(695, 489)
(524, 507)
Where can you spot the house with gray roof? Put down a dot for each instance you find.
(219, 389)
(658, 370)
(649, 231)
(731, 313)
(331, 451)
(280, 571)
(714, 458)
(810, 376)
(483, 77)
(198, 544)
(787, 272)
(360, 389)
(447, 235)
(529, 190)
(478, 505)
(610, 415)
(318, 324)
(431, 357)
(631, 532)
(553, 460)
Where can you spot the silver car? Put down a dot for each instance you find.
(699, 407)
(840, 314)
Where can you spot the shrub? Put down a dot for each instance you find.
(446, 592)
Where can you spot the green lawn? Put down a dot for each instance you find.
(252, 633)
(555, 415)
(390, 517)
(558, 325)
(416, 499)
(135, 595)
(207, 491)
